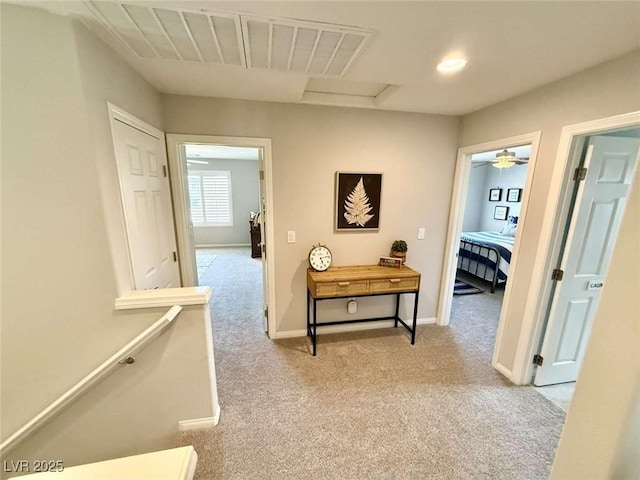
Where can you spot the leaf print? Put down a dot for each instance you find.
(357, 206)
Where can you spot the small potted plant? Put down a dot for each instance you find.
(399, 250)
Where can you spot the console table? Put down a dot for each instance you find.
(360, 281)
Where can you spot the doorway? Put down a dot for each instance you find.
(536, 303)
(456, 219)
(491, 213)
(222, 200)
(603, 166)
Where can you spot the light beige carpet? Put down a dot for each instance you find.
(370, 405)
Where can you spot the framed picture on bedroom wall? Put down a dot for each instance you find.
(514, 194)
(500, 213)
(495, 194)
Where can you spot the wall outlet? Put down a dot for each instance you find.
(421, 233)
(352, 306)
(291, 236)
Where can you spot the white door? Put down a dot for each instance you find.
(598, 209)
(263, 233)
(146, 199)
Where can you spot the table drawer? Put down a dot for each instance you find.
(330, 289)
(389, 285)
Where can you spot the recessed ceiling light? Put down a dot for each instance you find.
(451, 65)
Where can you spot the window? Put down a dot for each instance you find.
(210, 198)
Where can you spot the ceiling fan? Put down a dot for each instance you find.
(504, 159)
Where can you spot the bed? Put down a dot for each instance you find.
(487, 255)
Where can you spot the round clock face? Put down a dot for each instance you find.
(320, 258)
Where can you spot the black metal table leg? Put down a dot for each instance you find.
(397, 309)
(315, 326)
(308, 322)
(415, 319)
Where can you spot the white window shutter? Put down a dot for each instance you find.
(210, 197)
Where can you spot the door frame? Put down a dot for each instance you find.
(550, 236)
(456, 214)
(177, 169)
(458, 200)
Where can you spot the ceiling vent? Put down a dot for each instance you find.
(231, 39)
(307, 47)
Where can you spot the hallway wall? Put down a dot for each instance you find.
(61, 253)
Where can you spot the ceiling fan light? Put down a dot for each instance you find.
(506, 155)
(505, 158)
(503, 164)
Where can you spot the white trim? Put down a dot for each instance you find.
(117, 113)
(177, 173)
(533, 317)
(190, 469)
(502, 369)
(162, 297)
(221, 245)
(91, 379)
(458, 199)
(457, 209)
(355, 327)
(198, 423)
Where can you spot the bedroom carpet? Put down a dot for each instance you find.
(370, 405)
(204, 259)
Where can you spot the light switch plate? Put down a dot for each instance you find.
(291, 236)
(421, 233)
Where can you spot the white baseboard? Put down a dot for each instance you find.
(198, 423)
(349, 327)
(222, 245)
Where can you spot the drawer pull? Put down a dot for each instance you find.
(344, 284)
(395, 280)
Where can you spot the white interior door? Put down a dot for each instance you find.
(146, 199)
(598, 208)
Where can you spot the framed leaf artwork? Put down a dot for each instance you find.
(358, 201)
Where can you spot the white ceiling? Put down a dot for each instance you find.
(512, 47)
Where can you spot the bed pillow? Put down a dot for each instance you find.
(509, 230)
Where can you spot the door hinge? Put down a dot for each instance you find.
(175, 257)
(164, 170)
(580, 174)
(261, 174)
(538, 360)
(266, 312)
(557, 274)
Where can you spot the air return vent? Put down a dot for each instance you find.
(298, 46)
(231, 39)
(153, 32)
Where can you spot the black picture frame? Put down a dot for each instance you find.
(357, 206)
(514, 194)
(501, 212)
(495, 194)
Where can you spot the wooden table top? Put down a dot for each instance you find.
(361, 272)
